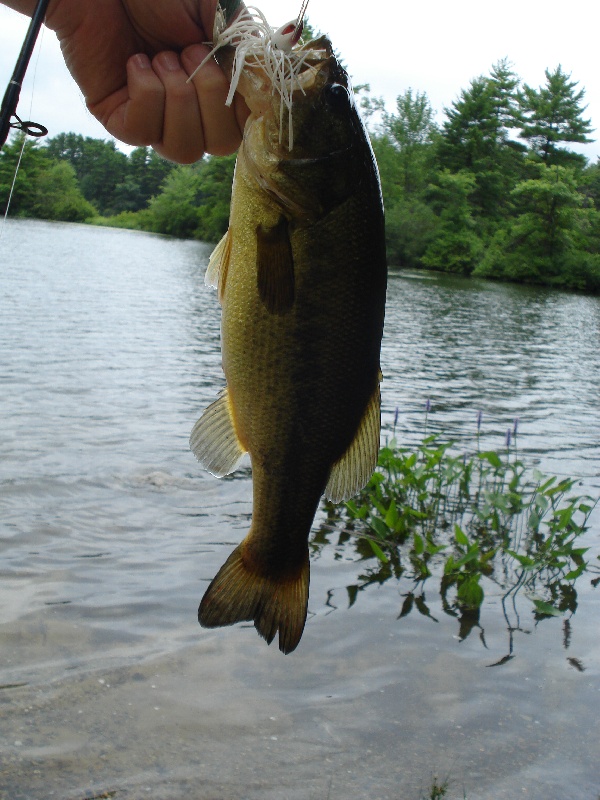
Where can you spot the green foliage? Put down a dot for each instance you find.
(404, 145)
(99, 166)
(410, 227)
(541, 243)
(175, 210)
(132, 220)
(29, 158)
(108, 178)
(57, 195)
(471, 199)
(438, 790)
(411, 131)
(44, 188)
(553, 114)
(455, 246)
(214, 197)
(194, 201)
(590, 184)
(476, 138)
(469, 519)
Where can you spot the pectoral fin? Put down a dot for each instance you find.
(214, 441)
(352, 471)
(218, 265)
(275, 266)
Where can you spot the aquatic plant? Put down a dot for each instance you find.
(467, 518)
(439, 789)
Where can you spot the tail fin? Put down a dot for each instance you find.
(239, 595)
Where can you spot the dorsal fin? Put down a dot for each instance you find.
(275, 266)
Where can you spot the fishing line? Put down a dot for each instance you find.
(14, 180)
(12, 189)
(11, 97)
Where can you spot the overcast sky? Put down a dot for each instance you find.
(434, 47)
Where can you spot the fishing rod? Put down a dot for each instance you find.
(13, 90)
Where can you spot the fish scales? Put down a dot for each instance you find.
(301, 275)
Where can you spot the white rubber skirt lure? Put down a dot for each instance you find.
(276, 52)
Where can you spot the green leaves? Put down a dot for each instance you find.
(473, 521)
(553, 114)
(470, 198)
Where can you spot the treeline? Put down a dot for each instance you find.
(80, 179)
(494, 191)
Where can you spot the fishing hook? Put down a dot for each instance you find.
(13, 90)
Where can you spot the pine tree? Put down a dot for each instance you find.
(553, 114)
(476, 137)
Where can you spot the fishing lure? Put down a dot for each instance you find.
(274, 52)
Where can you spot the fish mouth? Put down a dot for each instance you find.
(269, 67)
(267, 70)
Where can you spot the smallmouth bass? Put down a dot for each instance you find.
(301, 277)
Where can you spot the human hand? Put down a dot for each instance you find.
(131, 59)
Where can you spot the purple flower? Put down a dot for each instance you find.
(516, 427)
(508, 437)
(396, 416)
(479, 418)
(428, 406)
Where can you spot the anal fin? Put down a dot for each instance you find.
(214, 440)
(352, 471)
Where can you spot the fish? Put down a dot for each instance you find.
(301, 277)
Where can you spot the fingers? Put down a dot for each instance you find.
(181, 120)
(182, 137)
(134, 113)
(222, 126)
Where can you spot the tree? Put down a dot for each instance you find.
(99, 166)
(476, 137)
(553, 114)
(194, 201)
(404, 145)
(390, 169)
(146, 172)
(542, 243)
(591, 183)
(411, 130)
(505, 84)
(175, 210)
(21, 161)
(214, 197)
(455, 246)
(410, 227)
(57, 195)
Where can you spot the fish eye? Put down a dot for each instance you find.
(337, 97)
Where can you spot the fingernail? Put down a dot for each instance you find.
(141, 61)
(195, 54)
(169, 61)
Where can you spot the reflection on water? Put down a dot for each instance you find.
(109, 351)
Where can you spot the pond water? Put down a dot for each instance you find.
(110, 531)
